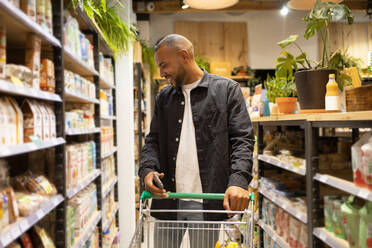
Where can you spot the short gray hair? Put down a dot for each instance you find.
(175, 41)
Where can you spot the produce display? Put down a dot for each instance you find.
(349, 219)
(80, 162)
(79, 85)
(75, 41)
(79, 116)
(80, 210)
(106, 103)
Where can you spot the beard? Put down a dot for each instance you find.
(178, 80)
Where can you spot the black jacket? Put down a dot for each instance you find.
(223, 133)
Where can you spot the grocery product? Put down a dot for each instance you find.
(79, 85)
(332, 98)
(367, 163)
(294, 232)
(106, 68)
(107, 139)
(365, 231)
(328, 210)
(45, 121)
(41, 238)
(2, 51)
(79, 116)
(338, 227)
(34, 183)
(32, 122)
(19, 119)
(49, 15)
(33, 49)
(70, 225)
(115, 244)
(350, 213)
(13, 206)
(11, 125)
(302, 242)
(357, 163)
(4, 208)
(108, 168)
(47, 79)
(26, 241)
(14, 244)
(19, 74)
(29, 7)
(28, 203)
(40, 12)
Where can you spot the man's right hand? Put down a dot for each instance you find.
(150, 187)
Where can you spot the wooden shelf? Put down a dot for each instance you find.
(348, 116)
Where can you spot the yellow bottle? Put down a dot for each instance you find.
(332, 99)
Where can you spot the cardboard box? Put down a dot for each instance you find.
(32, 121)
(19, 120)
(33, 49)
(29, 7)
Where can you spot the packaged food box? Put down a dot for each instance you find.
(47, 79)
(49, 15)
(2, 51)
(32, 121)
(29, 7)
(52, 119)
(4, 208)
(45, 122)
(294, 232)
(40, 12)
(365, 231)
(33, 49)
(356, 161)
(5, 126)
(19, 120)
(11, 125)
(13, 206)
(367, 163)
(302, 242)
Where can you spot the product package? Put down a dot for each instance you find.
(19, 75)
(294, 232)
(32, 122)
(338, 227)
(47, 78)
(41, 238)
(367, 163)
(49, 15)
(4, 208)
(351, 218)
(365, 231)
(29, 7)
(26, 241)
(19, 120)
(33, 49)
(2, 51)
(40, 12)
(357, 162)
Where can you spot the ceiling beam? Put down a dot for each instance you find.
(241, 6)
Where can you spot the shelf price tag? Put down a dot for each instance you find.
(36, 141)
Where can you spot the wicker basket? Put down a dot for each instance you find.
(359, 99)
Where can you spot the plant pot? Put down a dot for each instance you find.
(286, 105)
(311, 88)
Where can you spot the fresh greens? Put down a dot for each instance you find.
(118, 34)
(280, 87)
(202, 63)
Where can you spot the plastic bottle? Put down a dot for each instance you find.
(332, 99)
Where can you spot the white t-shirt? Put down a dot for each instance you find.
(187, 165)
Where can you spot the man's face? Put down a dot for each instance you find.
(169, 62)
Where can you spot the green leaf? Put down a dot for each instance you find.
(288, 41)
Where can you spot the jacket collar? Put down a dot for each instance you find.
(204, 82)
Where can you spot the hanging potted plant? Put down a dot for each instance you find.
(311, 82)
(282, 91)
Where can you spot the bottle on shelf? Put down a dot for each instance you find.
(332, 99)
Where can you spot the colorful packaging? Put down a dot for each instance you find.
(328, 210)
(49, 15)
(357, 163)
(11, 125)
(45, 121)
(3, 124)
(367, 163)
(338, 227)
(2, 51)
(47, 79)
(32, 122)
(365, 231)
(41, 238)
(29, 7)
(4, 208)
(33, 49)
(350, 214)
(52, 119)
(25, 239)
(294, 232)
(302, 242)
(40, 12)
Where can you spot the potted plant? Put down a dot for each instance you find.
(311, 82)
(282, 91)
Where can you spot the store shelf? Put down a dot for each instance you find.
(17, 90)
(13, 231)
(78, 66)
(278, 240)
(106, 224)
(108, 117)
(276, 162)
(19, 25)
(329, 238)
(284, 205)
(108, 187)
(72, 96)
(89, 228)
(73, 132)
(7, 151)
(90, 178)
(106, 155)
(105, 84)
(344, 185)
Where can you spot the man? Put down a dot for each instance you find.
(200, 141)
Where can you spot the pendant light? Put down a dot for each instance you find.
(306, 4)
(210, 4)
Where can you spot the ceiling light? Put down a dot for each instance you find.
(210, 4)
(284, 11)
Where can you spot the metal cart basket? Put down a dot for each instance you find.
(236, 232)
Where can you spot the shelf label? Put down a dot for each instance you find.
(36, 140)
(24, 225)
(364, 193)
(322, 178)
(39, 214)
(6, 239)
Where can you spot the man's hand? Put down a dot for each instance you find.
(150, 187)
(236, 199)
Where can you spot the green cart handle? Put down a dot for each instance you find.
(205, 196)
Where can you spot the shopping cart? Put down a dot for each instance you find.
(236, 232)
